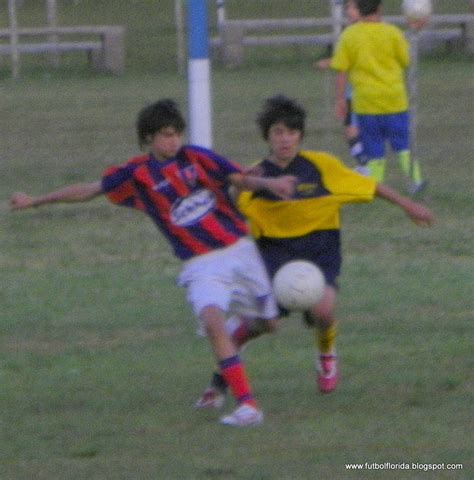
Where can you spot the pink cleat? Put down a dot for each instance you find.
(328, 374)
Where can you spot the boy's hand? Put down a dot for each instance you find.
(283, 187)
(322, 64)
(417, 25)
(421, 215)
(20, 200)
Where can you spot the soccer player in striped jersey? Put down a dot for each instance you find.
(307, 225)
(184, 190)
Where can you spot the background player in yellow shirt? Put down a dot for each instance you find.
(305, 226)
(373, 56)
(351, 127)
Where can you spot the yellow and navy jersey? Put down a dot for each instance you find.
(324, 184)
(374, 55)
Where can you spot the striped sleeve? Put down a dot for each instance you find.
(216, 166)
(119, 186)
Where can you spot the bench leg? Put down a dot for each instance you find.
(111, 58)
(469, 36)
(232, 45)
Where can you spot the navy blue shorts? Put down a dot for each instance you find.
(322, 248)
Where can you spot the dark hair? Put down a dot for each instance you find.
(281, 109)
(368, 7)
(152, 118)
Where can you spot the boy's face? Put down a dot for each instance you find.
(284, 142)
(352, 12)
(166, 142)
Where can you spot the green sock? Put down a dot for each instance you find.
(411, 171)
(377, 169)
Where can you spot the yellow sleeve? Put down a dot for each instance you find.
(341, 181)
(340, 60)
(402, 50)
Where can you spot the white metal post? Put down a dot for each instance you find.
(220, 4)
(337, 14)
(15, 54)
(52, 19)
(180, 36)
(413, 36)
(199, 88)
(416, 21)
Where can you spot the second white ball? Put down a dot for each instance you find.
(417, 9)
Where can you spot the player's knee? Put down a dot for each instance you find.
(325, 318)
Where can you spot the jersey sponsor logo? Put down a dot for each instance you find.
(307, 189)
(188, 211)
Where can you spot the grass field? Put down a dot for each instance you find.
(99, 364)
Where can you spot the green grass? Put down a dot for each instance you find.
(99, 364)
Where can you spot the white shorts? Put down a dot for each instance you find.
(232, 278)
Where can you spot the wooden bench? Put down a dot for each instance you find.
(452, 30)
(233, 35)
(106, 52)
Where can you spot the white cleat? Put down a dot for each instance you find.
(362, 170)
(243, 416)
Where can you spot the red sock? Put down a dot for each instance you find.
(234, 375)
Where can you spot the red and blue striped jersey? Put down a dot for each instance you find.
(186, 196)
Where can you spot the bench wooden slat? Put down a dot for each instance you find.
(310, 22)
(73, 30)
(52, 47)
(321, 39)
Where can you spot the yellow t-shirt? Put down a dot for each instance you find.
(324, 185)
(374, 55)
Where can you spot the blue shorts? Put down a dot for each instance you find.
(375, 130)
(322, 248)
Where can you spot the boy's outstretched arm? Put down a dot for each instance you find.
(80, 192)
(282, 187)
(420, 214)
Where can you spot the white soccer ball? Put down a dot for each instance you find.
(298, 285)
(417, 9)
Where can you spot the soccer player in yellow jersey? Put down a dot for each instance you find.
(373, 56)
(351, 126)
(305, 226)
